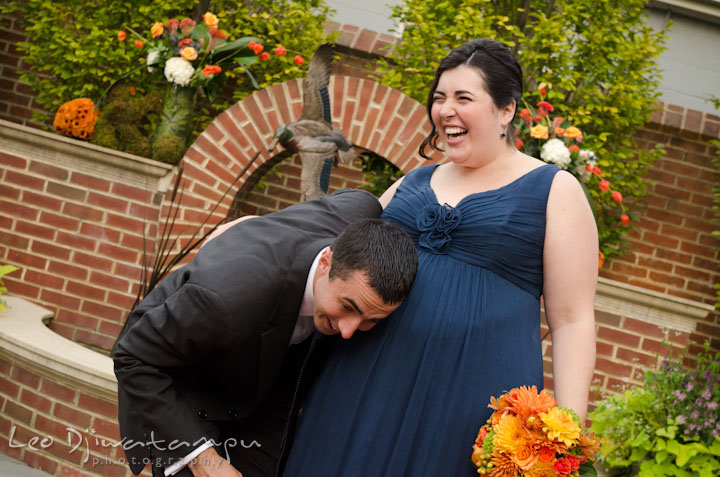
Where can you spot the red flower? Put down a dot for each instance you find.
(538, 118)
(596, 170)
(122, 35)
(542, 91)
(172, 25)
(624, 219)
(216, 32)
(138, 43)
(575, 148)
(518, 143)
(299, 60)
(184, 42)
(617, 197)
(264, 56)
(187, 25)
(258, 48)
(545, 105)
(574, 462)
(525, 113)
(280, 50)
(132, 89)
(562, 467)
(211, 70)
(604, 185)
(252, 44)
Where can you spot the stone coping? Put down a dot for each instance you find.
(26, 340)
(31, 143)
(661, 309)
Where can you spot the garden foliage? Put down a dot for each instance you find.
(598, 60)
(670, 426)
(74, 50)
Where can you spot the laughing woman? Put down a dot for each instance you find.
(495, 230)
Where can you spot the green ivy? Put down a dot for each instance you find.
(715, 101)
(74, 52)
(599, 58)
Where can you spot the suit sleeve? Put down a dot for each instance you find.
(186, 327)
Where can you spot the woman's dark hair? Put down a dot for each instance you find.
(499, 69)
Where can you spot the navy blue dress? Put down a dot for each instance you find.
(408, 397)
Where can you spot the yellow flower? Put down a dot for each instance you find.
(157, 29)
(509, 435)
(572, 132)
(539, 132)
(189, 53)
(559, 426)
(210, 20)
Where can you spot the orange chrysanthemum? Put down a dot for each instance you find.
(503, 466)
(76, 118)
(526, 402)
(589, 444)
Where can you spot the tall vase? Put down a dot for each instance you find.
(172, 131)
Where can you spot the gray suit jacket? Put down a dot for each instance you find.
(207, 344)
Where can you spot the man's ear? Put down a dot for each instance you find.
(325, 262)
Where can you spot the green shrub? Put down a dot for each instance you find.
(74, 52)
(669, 426)
(4, 270)
(597, 58)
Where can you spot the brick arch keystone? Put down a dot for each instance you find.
(373, 116)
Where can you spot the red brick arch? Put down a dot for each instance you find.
(372, 115)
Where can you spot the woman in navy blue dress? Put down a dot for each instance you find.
(495, 230)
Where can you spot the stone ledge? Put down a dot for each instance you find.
(650, 306)
(27, 341)
(31, 143)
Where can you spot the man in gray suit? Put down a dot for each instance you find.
(215, 353)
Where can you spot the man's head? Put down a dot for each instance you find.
(364, 277)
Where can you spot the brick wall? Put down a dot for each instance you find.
(673, 249)
(56, 427)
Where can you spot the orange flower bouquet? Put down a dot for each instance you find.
(528, 435)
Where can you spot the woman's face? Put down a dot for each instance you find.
(465, 116)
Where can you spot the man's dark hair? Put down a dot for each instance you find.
(383, 251)
(497, 66)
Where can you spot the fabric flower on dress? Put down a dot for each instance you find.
(435, 223)
(179, 71)
(555, 151)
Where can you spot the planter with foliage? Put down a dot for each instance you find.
(84, 46)
(669, 426)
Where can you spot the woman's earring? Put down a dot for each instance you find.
(502, 134)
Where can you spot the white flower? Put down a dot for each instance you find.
(589, 159)
(153, 58)
(179, 71)
(556, 151)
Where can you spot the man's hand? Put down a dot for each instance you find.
(209, 464)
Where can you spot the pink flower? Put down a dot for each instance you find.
(264, 56)
(546, 106)
(604, 185)
(617, 197)
(172, 25)
(624, 219)
(299, 60)
(280, 50)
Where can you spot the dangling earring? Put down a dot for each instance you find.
(502, 134)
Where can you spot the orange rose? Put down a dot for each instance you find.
(546, 454)
(157, 29)
(539, 132)
(189, 53)
(572, 132)
(210, 20)
(559, 132)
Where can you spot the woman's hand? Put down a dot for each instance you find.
(209, 464)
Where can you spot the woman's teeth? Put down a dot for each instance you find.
(454, 132)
